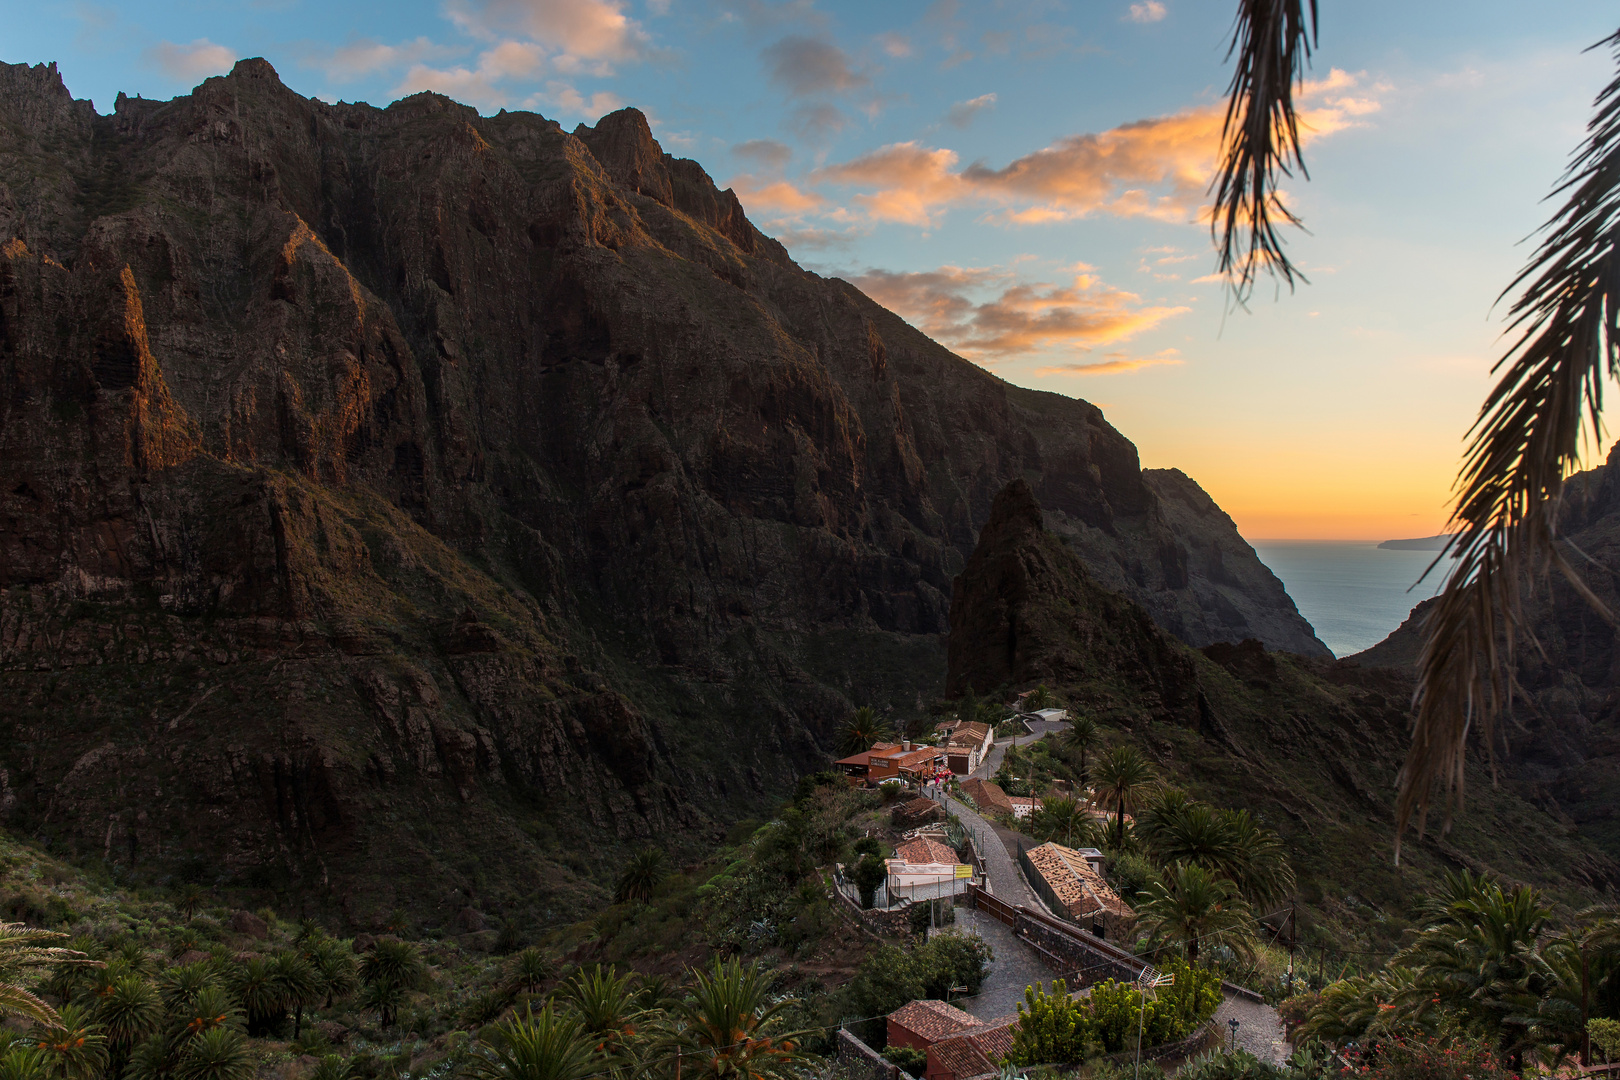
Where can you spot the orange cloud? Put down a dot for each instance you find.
(1117, 363)
(766, 196)
(987, 314)
(1157, 168)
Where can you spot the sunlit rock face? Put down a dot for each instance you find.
(381, 489)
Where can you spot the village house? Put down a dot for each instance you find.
(973, 1053)
(1071, 883)
(959, 1045)
(966, 745)
(1023, 805)
(921, 1024)
(988, 797)
(893, 761)
(925, 869)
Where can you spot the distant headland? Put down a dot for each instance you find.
(1422, 543)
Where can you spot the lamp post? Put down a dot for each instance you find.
(1233, 1024)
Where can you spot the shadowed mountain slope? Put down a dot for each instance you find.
(1311, 746)
(427, 505)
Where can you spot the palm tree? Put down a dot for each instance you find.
(1192, 905)
(1082, 735)
(547, 1046)
(1123, 777)
(25, 948)
(300, 985)
(254, 984)
(188, 900)
(212, 1007)
(863, 728)
(1264, 873)
(1038, 699)
(1064, 821)
(729, 1027)
(528, 971)
(642, 876)
(335, 967)
(392, 961)
(216, 1054)
(74, 1043)
(129, 1012)
(384, 998)
(20, 1062)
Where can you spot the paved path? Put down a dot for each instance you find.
(1259, 1032)
(1006, 881)
(1015, 967)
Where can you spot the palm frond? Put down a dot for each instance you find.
(1526, 440)
(1272, 41)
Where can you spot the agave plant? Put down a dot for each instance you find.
(608, 1008)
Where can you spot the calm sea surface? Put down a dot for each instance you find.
(1354, 594)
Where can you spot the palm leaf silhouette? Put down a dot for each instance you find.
(1525, 442)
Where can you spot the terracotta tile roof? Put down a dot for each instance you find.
(855, 759)
(973, 1052)
(923, 851)
(1077, 886)
(1025, 800)
(988, 796)
(969, 734)
(932, 1021)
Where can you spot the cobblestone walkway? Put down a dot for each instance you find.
(1259, 1032)
(1016, 966)
(1006, 882)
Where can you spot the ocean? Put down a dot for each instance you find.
(1354, 594)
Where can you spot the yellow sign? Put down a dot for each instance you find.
(963, 870)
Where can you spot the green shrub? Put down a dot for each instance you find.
(868, 875)
(909, 1058)
(1112, 1016)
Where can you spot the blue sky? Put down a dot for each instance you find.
(1023, 180)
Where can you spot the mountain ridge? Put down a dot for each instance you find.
(411, 504)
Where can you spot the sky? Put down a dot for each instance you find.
(1024, 179)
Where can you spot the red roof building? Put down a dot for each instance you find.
(971, 1053)
(921, 1024)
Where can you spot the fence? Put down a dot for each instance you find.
(857, 1060)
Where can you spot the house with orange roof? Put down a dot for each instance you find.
(971, 1053)
(1069, 881)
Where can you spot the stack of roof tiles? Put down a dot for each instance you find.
(915, 812)
(989, 797)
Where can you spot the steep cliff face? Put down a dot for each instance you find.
(1310, 746)
(381, 473)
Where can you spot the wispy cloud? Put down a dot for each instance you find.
(773, 196)
(366, 56)
(1148, 11)
(1117, 363)
(195, 60)
(963, 113)
(765, 153)
(990, 314)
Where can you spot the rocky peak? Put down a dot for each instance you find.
(624, 145)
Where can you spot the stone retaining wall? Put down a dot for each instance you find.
(857, 1061)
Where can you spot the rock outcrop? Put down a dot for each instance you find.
(402, 499)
